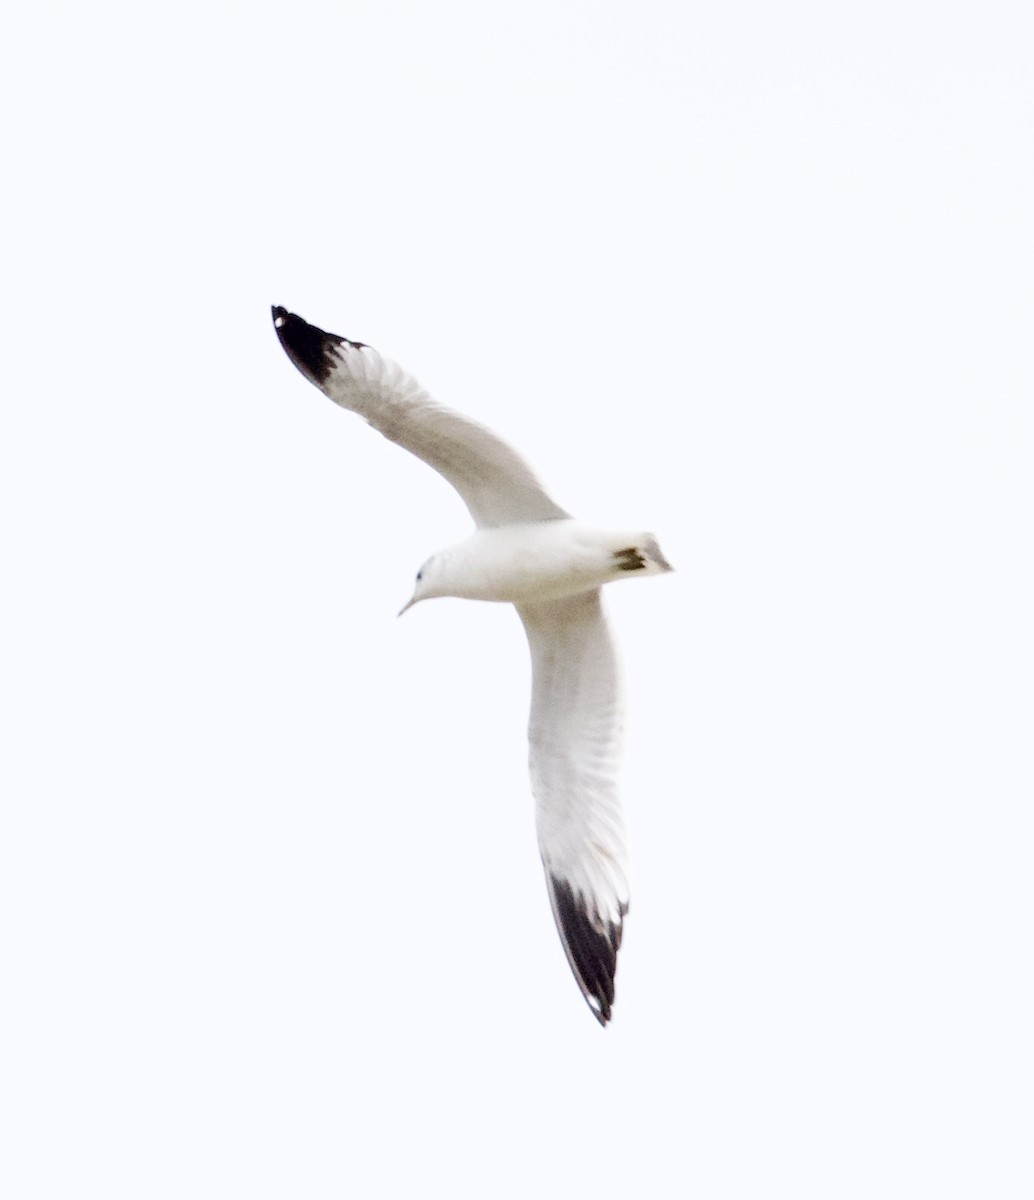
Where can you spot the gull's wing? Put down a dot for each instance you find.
(496, 484)
(574, 736)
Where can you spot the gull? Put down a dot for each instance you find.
(526, 551)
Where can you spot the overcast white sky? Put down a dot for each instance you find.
(759, 277)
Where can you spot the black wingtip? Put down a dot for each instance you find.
(591, 944)
(307, 347)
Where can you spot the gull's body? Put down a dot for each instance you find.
(545, 560)
(529, 552)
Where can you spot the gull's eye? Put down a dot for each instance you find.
(419, 575)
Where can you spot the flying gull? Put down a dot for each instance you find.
(529, 552)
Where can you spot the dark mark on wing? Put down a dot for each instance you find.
(591, 943)
(309, 348)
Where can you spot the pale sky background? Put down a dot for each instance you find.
(759, 277)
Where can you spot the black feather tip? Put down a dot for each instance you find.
(310, 349)
(591, 944)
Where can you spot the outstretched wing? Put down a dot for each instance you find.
(495, 483)
(575, 735)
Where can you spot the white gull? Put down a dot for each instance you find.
(526, 551)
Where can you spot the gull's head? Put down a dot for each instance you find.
(427, 585)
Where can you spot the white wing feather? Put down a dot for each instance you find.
(494, 481)
(575, 737)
